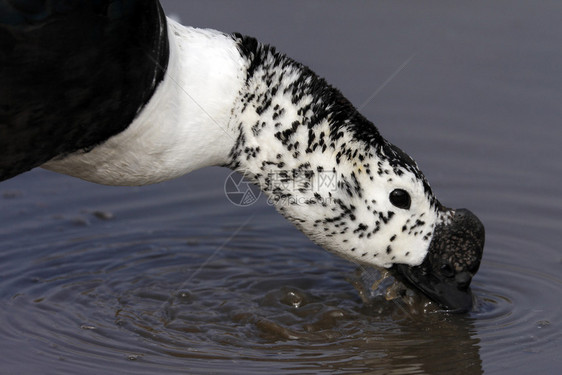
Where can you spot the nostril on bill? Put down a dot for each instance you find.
(463, 280)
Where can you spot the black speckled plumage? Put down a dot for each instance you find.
(73, 73)
(327, 102)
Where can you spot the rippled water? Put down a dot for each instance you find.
(173, 278)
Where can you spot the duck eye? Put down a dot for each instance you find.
(400, 198)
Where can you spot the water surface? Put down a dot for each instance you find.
(174, 278)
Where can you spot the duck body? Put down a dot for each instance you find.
(210, 98)
(74, 73)
(186, 123)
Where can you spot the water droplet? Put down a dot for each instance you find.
(103, 215)
(543, 323)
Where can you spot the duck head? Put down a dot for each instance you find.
(329, 171)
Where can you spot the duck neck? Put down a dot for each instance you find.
(305, 146)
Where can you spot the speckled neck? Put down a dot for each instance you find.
(323, 165)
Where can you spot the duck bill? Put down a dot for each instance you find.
(453, 258)
(442, 290)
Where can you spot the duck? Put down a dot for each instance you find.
(116, 93)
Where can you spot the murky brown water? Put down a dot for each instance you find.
(173, 278)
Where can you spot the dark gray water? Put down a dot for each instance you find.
(173, 278)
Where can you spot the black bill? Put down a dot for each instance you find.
(454, 257)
